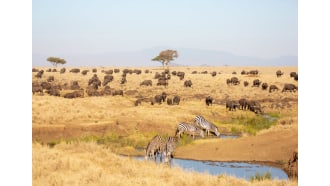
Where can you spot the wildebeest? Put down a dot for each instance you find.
(54, 70)
(53, 92)
(214, 73)
(209, 100)
(37, 88)
(289, 88)
(272, 88)
(243, 103)
(46, 85)
(75, 70)
(194, 72)
(293, 74)
(137, 102)
(234, 72)
(253, 72)
(176, 100)
(84, 72)
(159, 99)
(50, 78)
(62, 71)
(118, 92)
(232, 105)
(107, 90)
(35, 70)
(254, 106)
(39, 74)
(187, 83)
(162, 82)
(116, 70)
(234, 81)
(264, 86)
(74, 85)
(279, 73)
(146, 71)
(107, 79)
(108, 71)
(146, 83)
(228, 81)
(169, 101)
(243, 72)
(94, 70)
(91, 91)
(181, 75)
(256, 83)
(94, 82)
(246, 83)
(74, 94)
(123, 80)
(296, 77)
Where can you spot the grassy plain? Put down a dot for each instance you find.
(116, 122)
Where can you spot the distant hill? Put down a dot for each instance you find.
(187, 57)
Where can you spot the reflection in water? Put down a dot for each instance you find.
(237, 169)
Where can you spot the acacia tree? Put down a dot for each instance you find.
(56, 60)
(166, 56)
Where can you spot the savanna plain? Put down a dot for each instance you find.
(80, 141)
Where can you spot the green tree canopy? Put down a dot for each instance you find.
(56, 60)
(166, 56)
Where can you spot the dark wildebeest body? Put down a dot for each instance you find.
(107, 79)
(74, 94)
(84, 72)
(62, 71)
(234, 81)
(256, 83)
(254, 106)
(162, 82)
(187, 83)
(146, 83)
(272, 88)
(213, 74)
(123, 80)
(169, 101)
(181, 75)
(50, 78)
(293, 74)
(264, 86)
(279, 73)
(243, 103)
(118, 92)
(39, 74)
(289, 88)
(231, 105)
(75, 70)
(53, 92)
(176, 100)
(37, 88)
(246, 83)
(208, 100)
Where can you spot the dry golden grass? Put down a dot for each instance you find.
(91, 164)
(55, 118)
(118, 114)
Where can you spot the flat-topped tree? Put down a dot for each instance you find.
(166, 56)
(56, 60)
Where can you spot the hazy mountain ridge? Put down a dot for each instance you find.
(187, 57)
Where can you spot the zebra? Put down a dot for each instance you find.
(169, 146)
(190, 129)
(154, 147)
(208, 126)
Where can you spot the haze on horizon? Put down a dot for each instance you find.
(124, 33)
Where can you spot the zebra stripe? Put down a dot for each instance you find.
(169, 147)
(189, 129)
(208, 126)
(154, 147)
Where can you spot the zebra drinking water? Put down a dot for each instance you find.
(154, 147)
(189, 129)
(208, 126)
(169, 146)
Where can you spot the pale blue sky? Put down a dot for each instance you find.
(258, 28)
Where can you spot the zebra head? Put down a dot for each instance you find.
(217, 132)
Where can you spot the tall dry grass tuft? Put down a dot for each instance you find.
(92, 164)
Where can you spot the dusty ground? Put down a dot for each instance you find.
(55, 118)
